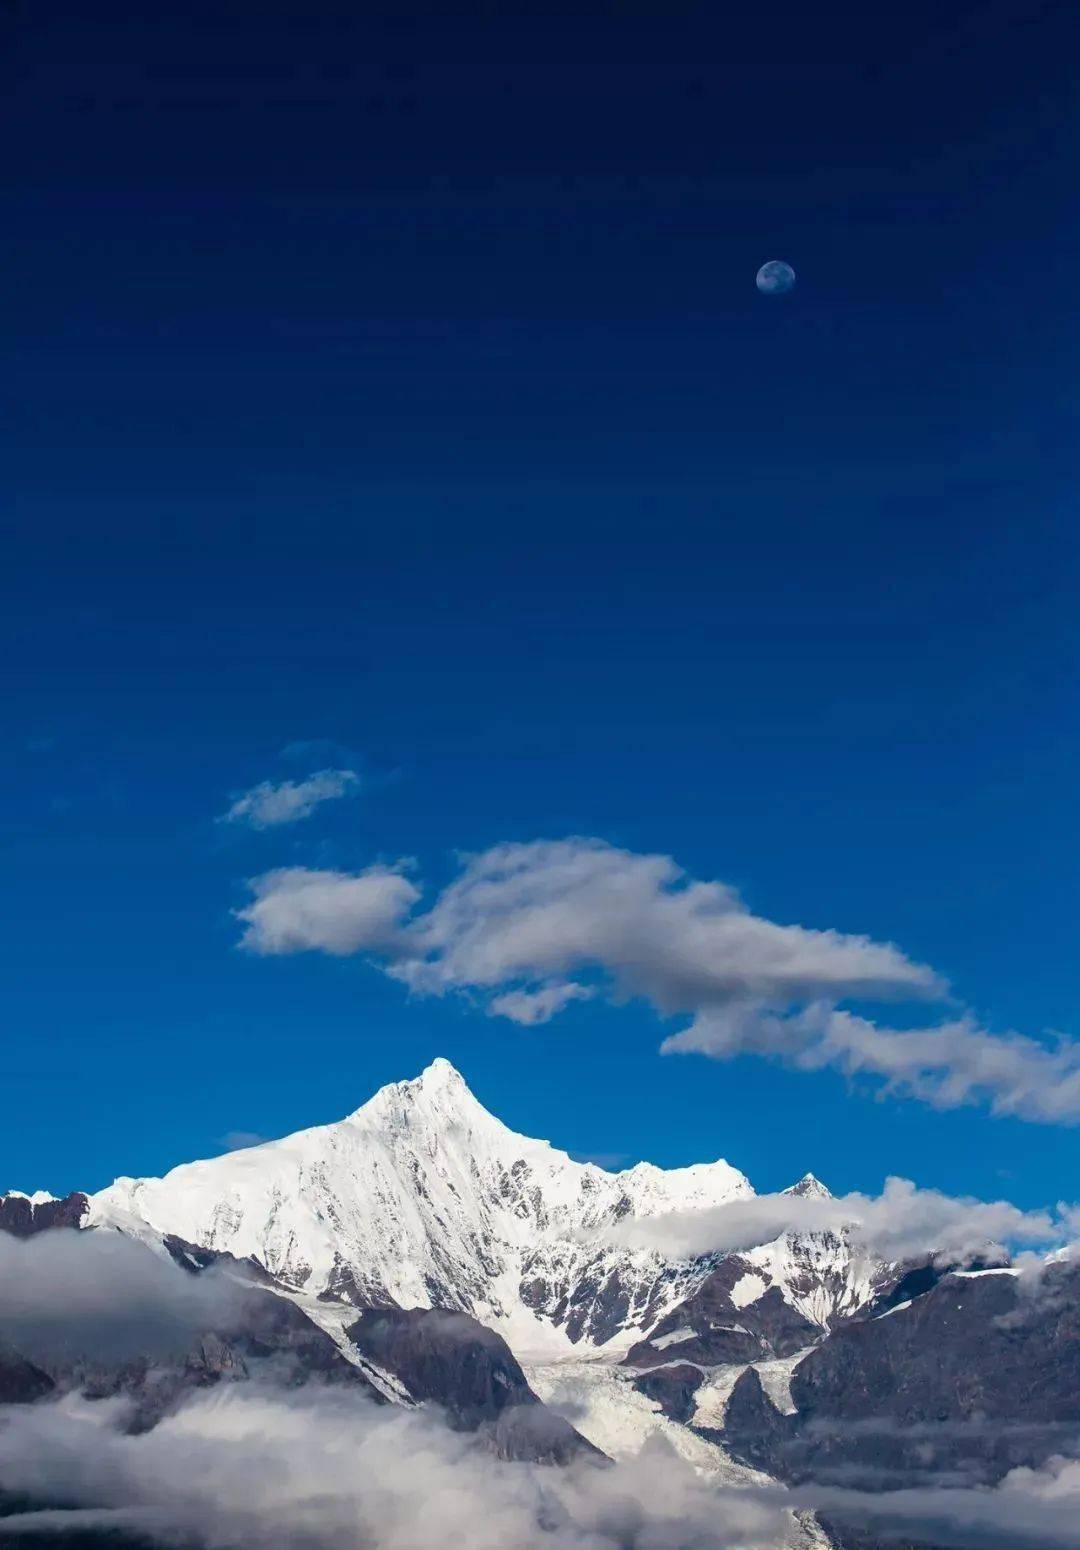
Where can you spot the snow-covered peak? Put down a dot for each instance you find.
(422, 1197)
(440, 1082)
(440, 1093)
(808, 1187)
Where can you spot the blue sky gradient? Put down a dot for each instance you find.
(400, 390)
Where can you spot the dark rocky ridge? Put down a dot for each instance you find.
(21, 1382)
(449, 1359)
(723, 1335)
(22, 1217)
(438, 1357)
(974, 1378)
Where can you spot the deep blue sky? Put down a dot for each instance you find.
(400, 382)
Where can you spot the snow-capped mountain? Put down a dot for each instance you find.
(421, 1198)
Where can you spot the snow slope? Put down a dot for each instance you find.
(422, 1198)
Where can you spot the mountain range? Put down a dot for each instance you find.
(421, 1251)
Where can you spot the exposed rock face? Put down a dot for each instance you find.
(973, 1378)
(24, 1215)
(449, 1359)
(264, 1335)
(21, 1382)
(711, 1328)
(733, 1318)
(673, 1387)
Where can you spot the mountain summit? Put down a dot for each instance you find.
(422, 1198)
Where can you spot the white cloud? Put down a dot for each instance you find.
(947, 1065)
(269, 805)
(245, 1465)
(540, 911)
(1031, 1509)
(297, 909)
(103, 1295)
(522, 924)
(241, 1140)
(530, 1008)
(903, 1222)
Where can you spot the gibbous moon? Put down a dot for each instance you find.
(775, 278)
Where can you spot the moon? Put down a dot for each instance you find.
(775, 278)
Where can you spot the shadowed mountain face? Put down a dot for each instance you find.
(978, 1376)
(248, 1327)
(20, 1381)
(24, 1215)
(450, 1360)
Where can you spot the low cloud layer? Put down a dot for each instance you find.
(529, 929)
(271, 804)
(1032, 1509)
(903, 1222)
(246, 1465)
(99, 1295)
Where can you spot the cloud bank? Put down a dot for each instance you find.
(247, 1465)
(531, 928)
(269, 805)
(68, 1295)
(903, 1222)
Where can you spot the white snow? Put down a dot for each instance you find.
(712, 1397)
(423, 1197)
(817, 1273)
(776, 1379)
(676, 1337)
(601, 1401)
(900, 1306)
(748, 1289)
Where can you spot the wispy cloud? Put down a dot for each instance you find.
(532, 1007)
(530, 928)
(903, 1222)
(240, 1140)
(947, 1065)
(271, 804)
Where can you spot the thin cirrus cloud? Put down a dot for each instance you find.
(531, 928)
(271, 804)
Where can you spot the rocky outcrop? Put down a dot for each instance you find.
(448, 1359)
(977, 1376)
(673, 1387)
(21, 1382)
(24, 1215)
